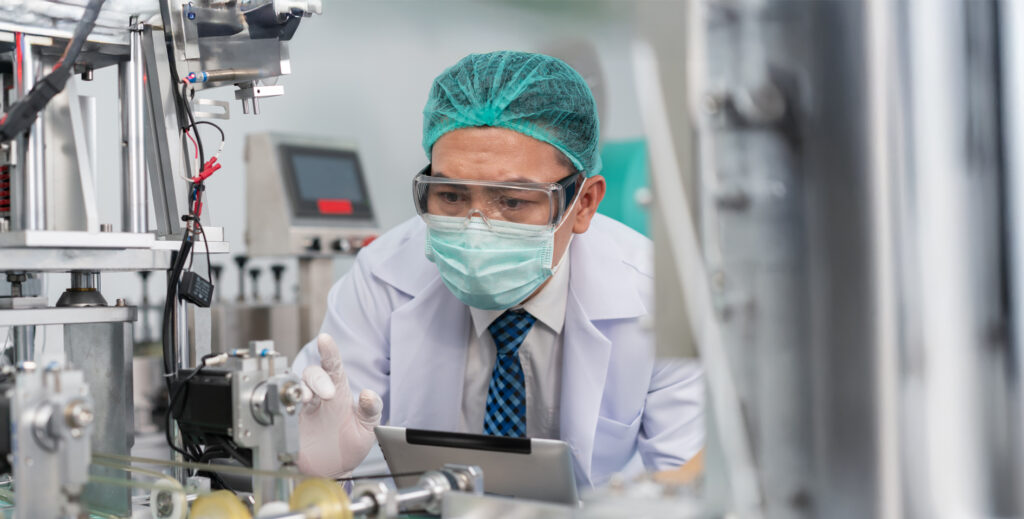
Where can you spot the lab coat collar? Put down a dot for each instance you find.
(428, 359)
(603, 279)
(407, 268)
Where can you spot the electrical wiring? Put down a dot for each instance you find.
(190, 448)
(194, 143)
(22, 115)
(175, 395)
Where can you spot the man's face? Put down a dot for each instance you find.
(503, 155)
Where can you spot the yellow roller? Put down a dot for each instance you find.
(323, 494)
(221, 504)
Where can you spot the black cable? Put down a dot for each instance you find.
(191, 122)
(174, 399)
(23, 114)
(206, 245)
(219, 129)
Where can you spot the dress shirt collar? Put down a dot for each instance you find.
(548, 305)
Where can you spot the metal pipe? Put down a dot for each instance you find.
(24, 343)
(28, 176)
(134, 210)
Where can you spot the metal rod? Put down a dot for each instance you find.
(28, 176)
(289, 515)
(134, 210)
(181, 325)
(414, 497)
(362, 506)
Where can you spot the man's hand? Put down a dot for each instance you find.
(335, 432)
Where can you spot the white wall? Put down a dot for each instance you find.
(361, 72)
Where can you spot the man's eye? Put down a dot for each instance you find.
(449, 197)
(513, 203)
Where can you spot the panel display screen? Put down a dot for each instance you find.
(326, 183)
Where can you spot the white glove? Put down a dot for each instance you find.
(335, 433)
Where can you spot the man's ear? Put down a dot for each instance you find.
(590, 198)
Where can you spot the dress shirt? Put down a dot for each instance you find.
(540, 354)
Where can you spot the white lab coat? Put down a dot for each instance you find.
(404, 335)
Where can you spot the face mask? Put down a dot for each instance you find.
(491, 266)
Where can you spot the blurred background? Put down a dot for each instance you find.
(834, 190)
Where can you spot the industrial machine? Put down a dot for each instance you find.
(48, 208)
(231, 416)
(307, 196)
(242, 405)
(46, 418)
(307, 201)
(837, 205)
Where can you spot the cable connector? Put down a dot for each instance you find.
(207, 170)
(216, 360)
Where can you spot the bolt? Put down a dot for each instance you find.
(718, 281)
(713, 103)
(78, 415)
(106, 227)
(121, 302)
(762, 104)
(291, 394)
(164, 504)
(16, 279)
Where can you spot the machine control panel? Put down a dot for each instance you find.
(307, 196)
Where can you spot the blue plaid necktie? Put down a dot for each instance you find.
(506, 394)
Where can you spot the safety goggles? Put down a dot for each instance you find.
(529, 203)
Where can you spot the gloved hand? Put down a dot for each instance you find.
(335, 432)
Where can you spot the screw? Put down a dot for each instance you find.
(121, 302)
(106, 227)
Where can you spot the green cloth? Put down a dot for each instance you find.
(625, 170)
(533, 94)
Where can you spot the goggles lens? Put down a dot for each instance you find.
(512, 202)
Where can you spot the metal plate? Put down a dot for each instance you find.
(42, 316)
(77, 239)
(66, 260)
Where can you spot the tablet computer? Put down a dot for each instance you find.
(515, 467)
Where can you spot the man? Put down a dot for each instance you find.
(508, 306)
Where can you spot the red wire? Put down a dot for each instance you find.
(196, 146)
(20, 59)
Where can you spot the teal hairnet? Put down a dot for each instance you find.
(533, 94)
